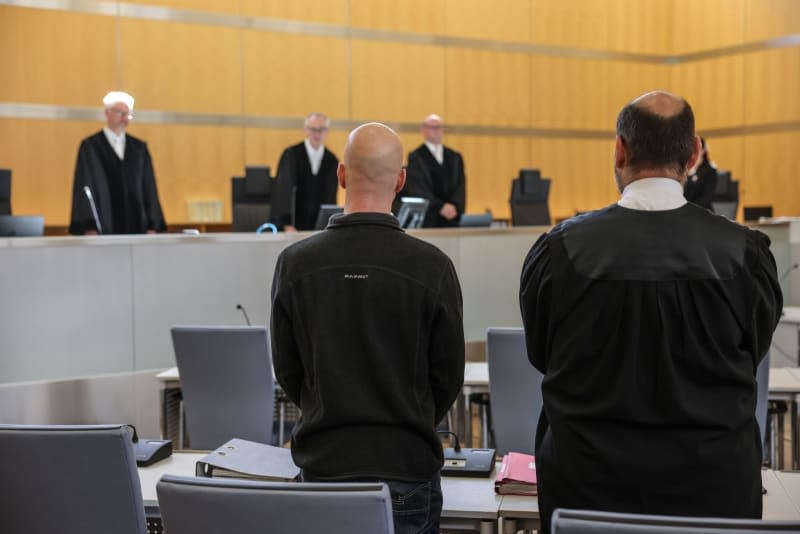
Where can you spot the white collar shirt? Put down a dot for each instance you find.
(117, 142)
(314, 156)
(653, 194)
(437, 151)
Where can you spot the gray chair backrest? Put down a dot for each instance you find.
(762, 400)
(515, 390)
(69, 479)
(566, 521)
(212, 505)
(227, 384)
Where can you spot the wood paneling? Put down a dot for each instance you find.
(397, 82)
(771, 168)
(487, 88)
(628, 80)
(640, 26)
(715, 90)
(416, 16)
(41, 155)
(505, 20)
(708, 24)
(490, 164)
(569, 93)
(181, 67)
(293, 75)
(193, 163)
(576, 24)
(324, 11)
(766, 19)
(55, 57)
(772, 86)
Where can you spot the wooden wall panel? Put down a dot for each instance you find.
(55, 57)
(505, 20)
(715, 90)
(322, 11)
(293, 75)
(41, 155)
(569, 93)
(416, 16)
(771, 171)
(706, 25)
(582, 171)
(642, 27)
(487, 88)
(772, 86)
(397, 82)
(181, 67)
(766, 19)
(575, 24)
(192, 163)
(490, 164)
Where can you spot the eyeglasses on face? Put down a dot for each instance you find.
(121, 113)
(319, 130)
(432, 126)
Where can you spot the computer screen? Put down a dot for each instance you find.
(325, 213)
(412, 212)
(21, 225)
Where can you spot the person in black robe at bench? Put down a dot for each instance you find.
(306, 178)
(649, 319)
(118, 171)
(436, 173)
(702, 180)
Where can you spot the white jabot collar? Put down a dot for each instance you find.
(653, 194)
(437, 151)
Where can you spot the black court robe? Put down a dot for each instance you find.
(700, 187)
(649, 327)
(124, 190)
(426, 178)
(301, 193)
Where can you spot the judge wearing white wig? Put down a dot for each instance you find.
(114, 190)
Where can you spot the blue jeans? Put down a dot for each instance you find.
(416, 506)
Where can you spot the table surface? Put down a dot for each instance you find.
(791, 314)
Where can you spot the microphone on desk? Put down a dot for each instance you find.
(244, 312)
(88, 192)
(457, 446)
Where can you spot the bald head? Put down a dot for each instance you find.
(372, 168)
(655, 137)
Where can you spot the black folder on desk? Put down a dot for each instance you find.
(240, 458)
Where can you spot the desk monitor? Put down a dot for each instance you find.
(412, 212)
(476, 220)
(5, 191)
(21, 225)
(723, 186)
(754, 213)
(326, 211)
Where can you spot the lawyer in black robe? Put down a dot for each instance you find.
(297, 187)
(124, 190)
(426, 178)
(702, 183)
(649, 320)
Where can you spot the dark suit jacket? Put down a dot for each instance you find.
(300, 193)
(124, 190)
(437, 183)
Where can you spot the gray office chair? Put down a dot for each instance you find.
(566, 521)
(69, 479)
(227, 383)
(515, 391)
(211, 505)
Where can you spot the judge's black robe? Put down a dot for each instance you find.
(301, 193)
(426, 178)
(649, 327)
(700, 186)
(124, 190)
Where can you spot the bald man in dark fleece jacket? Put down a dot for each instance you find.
(368, 340)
